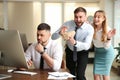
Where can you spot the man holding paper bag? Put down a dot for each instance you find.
(78, 35)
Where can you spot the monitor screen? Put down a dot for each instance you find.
(11, 49)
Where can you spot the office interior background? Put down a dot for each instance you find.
(25, 15)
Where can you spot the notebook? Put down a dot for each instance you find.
(4, 76)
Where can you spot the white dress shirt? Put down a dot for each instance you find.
(53, 49)
(84, 35)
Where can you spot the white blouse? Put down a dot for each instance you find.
(98, 43)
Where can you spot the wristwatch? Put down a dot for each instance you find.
(75, 43)
(42, 52)
(108, 39)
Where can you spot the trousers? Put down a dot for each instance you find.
(78, 67)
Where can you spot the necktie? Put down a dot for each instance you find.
(42, 61)
(75, 48)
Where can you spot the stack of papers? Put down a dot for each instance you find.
(59, 75)
(4, 76)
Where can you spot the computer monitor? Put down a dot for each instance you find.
(24, 41)
(12, 53)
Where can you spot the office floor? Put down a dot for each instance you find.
(113, 74)
(89, 75)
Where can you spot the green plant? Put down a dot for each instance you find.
(118, 55)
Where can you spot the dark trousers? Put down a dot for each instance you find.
(77, 68)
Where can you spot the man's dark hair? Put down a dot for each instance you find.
(80, 9)
(1, 28)
(43, 26)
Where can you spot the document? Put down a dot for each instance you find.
(4, 76)
(59, 75)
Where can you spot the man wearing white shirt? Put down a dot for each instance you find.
(50, 50)
(82, 41)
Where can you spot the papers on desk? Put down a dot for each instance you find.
(59, 75)
(4, 76)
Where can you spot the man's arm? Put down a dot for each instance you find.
(48, 60)
(56, 35)
(53, 56)
(87, 42)
(28, 56)
(59, 32)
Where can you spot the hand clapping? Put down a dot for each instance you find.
(111, 33)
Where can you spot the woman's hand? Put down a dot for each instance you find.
(111, 33)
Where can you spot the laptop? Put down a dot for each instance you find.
(4, 76)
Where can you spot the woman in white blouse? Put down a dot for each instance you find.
(104, 52)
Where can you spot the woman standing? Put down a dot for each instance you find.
(104, 52)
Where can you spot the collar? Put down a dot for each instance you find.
(82, 26)
(49, 41)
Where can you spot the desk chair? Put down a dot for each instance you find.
(63, 65)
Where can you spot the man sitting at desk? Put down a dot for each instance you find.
(46, 48)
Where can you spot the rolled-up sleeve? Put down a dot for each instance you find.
(28, 53)
(57, 56)
(56, 35)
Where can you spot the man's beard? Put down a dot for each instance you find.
(42, 43)
(79, 23)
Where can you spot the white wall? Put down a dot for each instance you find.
(21, 17)
(108, 7)
(117, 21)
(1, 15)
(25, 16)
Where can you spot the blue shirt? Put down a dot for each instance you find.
(83, 37)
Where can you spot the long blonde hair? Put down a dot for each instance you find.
(104, 27)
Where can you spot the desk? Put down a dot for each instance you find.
(41, 75)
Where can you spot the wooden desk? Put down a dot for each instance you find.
(41, 75)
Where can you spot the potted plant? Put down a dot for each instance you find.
(117, 58)
(118, 55)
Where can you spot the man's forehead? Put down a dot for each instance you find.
(42, 31)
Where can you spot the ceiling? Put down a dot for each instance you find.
(58, 0)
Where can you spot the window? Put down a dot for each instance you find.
(53, 15)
